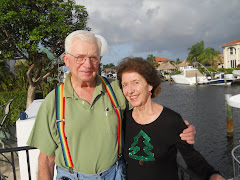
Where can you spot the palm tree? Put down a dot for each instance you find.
(195, 51)
(151, 59)
(199, 54)
(209, 54)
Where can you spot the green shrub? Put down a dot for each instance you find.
(229, 70)
(176, 72)
(17, 106)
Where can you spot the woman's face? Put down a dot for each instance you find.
(135, 88)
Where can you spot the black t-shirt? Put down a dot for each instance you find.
(150, 150)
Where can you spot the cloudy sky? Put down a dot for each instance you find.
(164, 28)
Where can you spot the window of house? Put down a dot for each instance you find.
(232, 50)
(233, 63)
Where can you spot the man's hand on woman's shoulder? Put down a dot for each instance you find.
(188, 133)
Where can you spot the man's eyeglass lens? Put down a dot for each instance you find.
(82, 59)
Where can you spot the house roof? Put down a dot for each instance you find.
(232, 43)
(159, 59)
(184, 63)
(165, 66)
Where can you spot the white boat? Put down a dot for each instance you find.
(222, 80)
(236, 73)
(190, 76)
(234, 101)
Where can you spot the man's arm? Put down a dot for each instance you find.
(45, 166)
(188, 133)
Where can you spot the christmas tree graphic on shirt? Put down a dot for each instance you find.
(135, 149)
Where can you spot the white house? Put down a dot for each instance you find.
(231, 51)
(182, 65)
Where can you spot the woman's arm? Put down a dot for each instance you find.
(194, 160)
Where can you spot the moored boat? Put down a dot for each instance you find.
(222, 80)
(236, 73)
(190, 76)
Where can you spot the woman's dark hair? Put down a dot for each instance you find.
(142, 67)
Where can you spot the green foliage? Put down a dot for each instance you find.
(17, 106)
(212, 69)
(45, 87)
(175, 63)
(198, 53)
(178, 61)
(25, 25)
(226, 70)
(21, 68)
(195, 51)
(176, 72)
(6, 77)
(111, 65)
(208, 71)
(152, 60)
(208, 55)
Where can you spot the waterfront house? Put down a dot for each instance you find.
(164, 65)
(159, 59)
(231, 51)
(207, 64)
(108, 70)
(182, 65)
(216, 63)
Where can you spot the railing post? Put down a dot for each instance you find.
(12, 162)
(28, 165)
(196, 79)
(225, 80)
(229, 117)
(169, 80)
(13, 166)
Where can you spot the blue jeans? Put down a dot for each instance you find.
(116, 172)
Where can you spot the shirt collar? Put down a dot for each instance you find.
(67, 89)
(99, 87)
(69, 92)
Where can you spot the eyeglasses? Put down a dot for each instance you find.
(81, 59)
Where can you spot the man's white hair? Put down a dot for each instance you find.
(83, 36)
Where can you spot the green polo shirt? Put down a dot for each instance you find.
(91, 129)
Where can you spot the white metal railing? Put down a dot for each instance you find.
(236, 162)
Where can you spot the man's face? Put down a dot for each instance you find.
(85, 71)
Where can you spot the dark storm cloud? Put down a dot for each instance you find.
(171, 26)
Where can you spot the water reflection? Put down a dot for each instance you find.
(204, 107)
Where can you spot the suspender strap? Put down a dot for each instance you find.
(60, 115)
(117, 108)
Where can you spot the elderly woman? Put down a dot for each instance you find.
(152, 130)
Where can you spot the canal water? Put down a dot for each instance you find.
(204, 107)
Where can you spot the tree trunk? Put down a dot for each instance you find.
(31, 95)
(36, 80)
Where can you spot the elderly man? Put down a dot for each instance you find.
(91, 123)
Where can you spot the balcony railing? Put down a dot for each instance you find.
(184, 172)
(11, 160)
